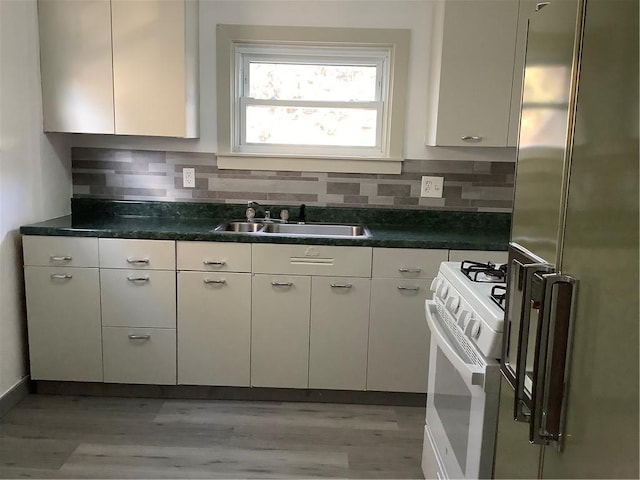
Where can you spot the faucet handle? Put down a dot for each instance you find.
(250, 213)
(284, 215)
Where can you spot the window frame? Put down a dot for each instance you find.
(238, 44)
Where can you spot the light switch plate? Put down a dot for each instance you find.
(432, 187)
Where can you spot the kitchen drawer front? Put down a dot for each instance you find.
(214, 256)
(477, 256)
(63, 318)
(312, 260)
(139, 254)
(60, 251)
(407, 262)
(138, 298)
(139, 355)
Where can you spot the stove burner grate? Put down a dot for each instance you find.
(499, 295)
(484, 272)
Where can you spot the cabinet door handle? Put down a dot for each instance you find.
(215, 282)
(409, 270)
(139, 337)
(64, 276)
(214, 262)
(131, 278)
(341, 285)
(60, 258)
(407, 287)
(541, 5)
(473, 138)
(138, 261)
(282, 284)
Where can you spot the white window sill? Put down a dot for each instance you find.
(238, 161)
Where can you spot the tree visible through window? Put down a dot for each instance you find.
(318, 100)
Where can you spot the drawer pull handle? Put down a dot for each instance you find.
(410, 288)
(139, 337)
(138, 261)
(60, 258)
(473, 138)
(64, 276)
(131, 278)
(215, 282)
(215, 262)
(409, 270)
(341, 285)
(282, 284)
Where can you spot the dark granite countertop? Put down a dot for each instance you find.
(389, 228)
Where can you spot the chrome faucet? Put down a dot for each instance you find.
(254, 208)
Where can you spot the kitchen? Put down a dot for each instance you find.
(50, 178)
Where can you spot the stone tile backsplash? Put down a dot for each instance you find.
(149, 175)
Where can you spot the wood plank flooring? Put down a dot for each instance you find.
(51, 436)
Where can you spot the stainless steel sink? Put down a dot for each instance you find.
(316, 230)
(294, 229)
(239, 227)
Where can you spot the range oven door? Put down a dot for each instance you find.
(462, 401)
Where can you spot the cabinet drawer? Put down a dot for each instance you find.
(477, 256)
(146, 254)
(139, 355)
(214, 256)
(138, 298)
(60, 251)
(407, 262)
(312, 260)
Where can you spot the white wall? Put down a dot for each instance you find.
(415, 15)
(35, 173)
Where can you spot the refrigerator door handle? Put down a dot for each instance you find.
(551, 368)
(520, 397)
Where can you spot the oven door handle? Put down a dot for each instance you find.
(472, 374)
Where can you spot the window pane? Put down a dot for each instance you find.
(311, 126)
(282, 81)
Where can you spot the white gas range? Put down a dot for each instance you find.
(466, 321)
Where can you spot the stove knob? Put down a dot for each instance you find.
(443, 290)
(463, 319)
(435, 284)
(473, 329)
(453, 304)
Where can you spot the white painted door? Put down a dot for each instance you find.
(339, 328)
(280, 331)
(214, 328)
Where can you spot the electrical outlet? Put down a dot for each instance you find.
(432, 187)
(189, 177)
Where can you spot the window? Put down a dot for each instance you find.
(311, 99)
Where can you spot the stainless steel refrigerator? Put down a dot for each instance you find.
(569, 395)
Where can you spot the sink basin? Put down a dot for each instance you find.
(316, 230)
(261, 227)
(239, 227)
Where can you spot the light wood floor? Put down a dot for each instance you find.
(50, 436)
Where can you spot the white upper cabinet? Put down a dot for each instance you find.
(473, 65)
(122, 67)
(76, 67)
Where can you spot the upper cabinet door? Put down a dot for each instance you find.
(75, 57)
(472, 79)
(155, 67)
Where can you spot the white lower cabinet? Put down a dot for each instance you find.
(398, 336)
(214, 328)
(280, 316)
(339, 328)
(139, 355)
(63, 309)
(398, 354)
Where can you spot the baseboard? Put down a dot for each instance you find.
(14, 395)
(229, 393)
